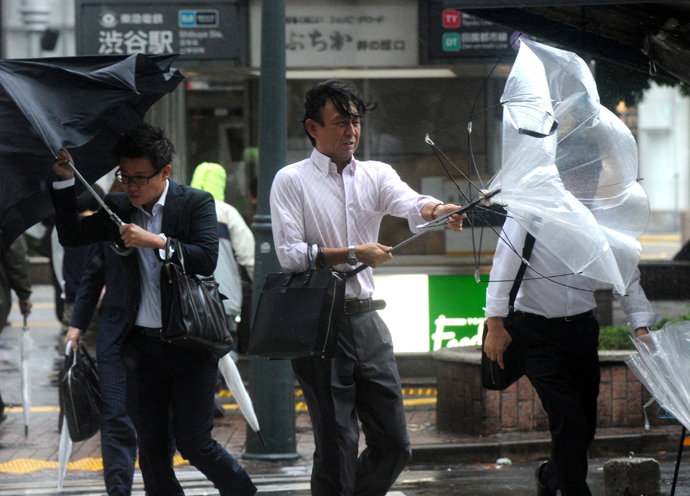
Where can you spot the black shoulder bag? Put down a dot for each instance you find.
(493, 376)
(298, 314)
(192, 311)
(80, 395)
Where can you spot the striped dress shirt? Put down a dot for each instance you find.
(312, 204)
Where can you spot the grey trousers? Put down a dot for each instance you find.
(361, 381)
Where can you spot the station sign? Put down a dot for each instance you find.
(213, 32)
(453, 34)
(374, 33)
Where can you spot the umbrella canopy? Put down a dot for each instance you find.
(569, 173)
(661, 366)
(81, 103)
(234, 382)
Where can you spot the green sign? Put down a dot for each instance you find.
(456, 311)
(451, 42)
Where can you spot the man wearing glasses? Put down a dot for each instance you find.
(170, 389)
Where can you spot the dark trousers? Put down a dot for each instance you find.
(170, 393)
(560, 359)
(118, 438)
(361, 381)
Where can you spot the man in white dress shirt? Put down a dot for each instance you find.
(556, 337)
(332, 205)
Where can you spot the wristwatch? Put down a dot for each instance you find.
(351, 257)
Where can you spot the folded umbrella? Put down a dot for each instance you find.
(26, 345)
(65, 446)
(234, 382)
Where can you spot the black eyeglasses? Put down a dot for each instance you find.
(138, 180)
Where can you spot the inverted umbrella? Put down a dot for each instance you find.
(569, 167)
(26, 345)
(81, 103)
(662, 365)
(234, 382)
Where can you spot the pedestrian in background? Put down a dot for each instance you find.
(14, 276)
(170, 388)
(236, 249)
(102, 286)
(74, 260)
(331, 205)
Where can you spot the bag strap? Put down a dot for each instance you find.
(168, 254)
(526, 253)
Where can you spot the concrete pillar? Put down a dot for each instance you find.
(632, 477)
(35, 14)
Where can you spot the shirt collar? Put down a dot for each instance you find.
(323, 163)
(159, 204)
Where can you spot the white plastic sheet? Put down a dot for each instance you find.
(569, 172)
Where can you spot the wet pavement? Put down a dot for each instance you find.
(442, 464)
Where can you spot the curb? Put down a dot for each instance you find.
(539, 449)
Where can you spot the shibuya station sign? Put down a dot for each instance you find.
(213, 31)
(381, 33)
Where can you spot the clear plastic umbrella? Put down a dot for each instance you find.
(662, 365)
(234, 382)
(569, 167)
(26, 346)
(64, 452)
(65, 446)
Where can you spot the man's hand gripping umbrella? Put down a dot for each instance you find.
(65, 169)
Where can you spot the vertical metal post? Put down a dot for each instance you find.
(35, 14)
(271, 382)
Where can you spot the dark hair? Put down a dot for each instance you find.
(342, 95)
(145, 141)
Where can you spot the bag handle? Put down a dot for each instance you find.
(168, 254)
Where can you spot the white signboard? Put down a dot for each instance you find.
(383, 33)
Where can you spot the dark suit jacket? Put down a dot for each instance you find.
(103, 268)
(189, 217)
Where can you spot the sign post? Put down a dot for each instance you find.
(271, 382)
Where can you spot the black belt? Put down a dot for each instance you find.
(570, 318)
(353, 307)
(153, 332)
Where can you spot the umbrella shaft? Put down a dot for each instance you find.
(112, 214)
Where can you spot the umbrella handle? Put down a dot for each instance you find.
(123, 252)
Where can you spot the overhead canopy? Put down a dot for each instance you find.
(628, 32)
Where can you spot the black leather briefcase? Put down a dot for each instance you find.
(298, 315)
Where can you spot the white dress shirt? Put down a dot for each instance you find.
(562, 294)
(312, 204)
(149, 314)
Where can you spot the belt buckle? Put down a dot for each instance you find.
(359, 307)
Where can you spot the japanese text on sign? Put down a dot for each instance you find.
(381, 34)
(196, 30)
